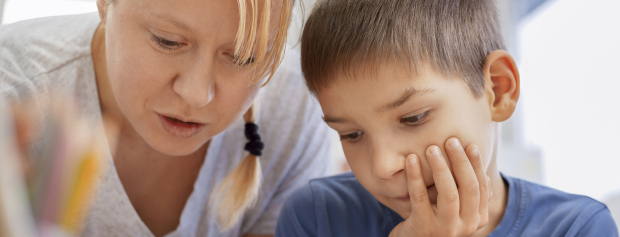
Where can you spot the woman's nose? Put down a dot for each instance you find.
(386, 161)
(196, 85)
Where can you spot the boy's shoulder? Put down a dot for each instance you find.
(536, 210)
(340, 206)
(335, 206)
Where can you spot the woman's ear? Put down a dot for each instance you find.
(102, 7)
(502, 84)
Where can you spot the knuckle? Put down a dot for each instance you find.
(456, 232)
(473, 187)
(443, 168)
(484, 188)
(452, 196)
(478, 169)
(484, 220)
(466, 228)
(462, 161)
(449, 232)
(470, 230)
(419, 196)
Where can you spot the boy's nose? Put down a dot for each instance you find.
(196, 85)
(386, 162)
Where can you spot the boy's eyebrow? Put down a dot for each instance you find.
(408, 94)
(328, 119)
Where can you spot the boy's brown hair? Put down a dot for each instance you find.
(452, 37)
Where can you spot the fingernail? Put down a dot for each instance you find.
(454, 143)
(435, 151)
(412, 160)
(474, 151)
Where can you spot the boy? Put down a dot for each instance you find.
(397, 78)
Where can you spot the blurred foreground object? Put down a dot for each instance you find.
(49, 170)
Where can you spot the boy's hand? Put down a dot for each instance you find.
(462, 205)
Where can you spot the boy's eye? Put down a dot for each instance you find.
(165, 44)
(416, 119)
(242, 64)
(351, 136)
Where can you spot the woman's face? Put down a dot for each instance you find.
(172, 71)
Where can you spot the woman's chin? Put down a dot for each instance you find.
(178, 149)
(174, 146)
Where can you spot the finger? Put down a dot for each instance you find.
(447, 193)
(468, 186)
(476, 161)
(418, 195)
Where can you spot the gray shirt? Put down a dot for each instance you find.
(54, 54)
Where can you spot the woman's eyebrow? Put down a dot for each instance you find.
(407, 94)
(172, 20)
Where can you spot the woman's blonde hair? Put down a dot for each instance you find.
(239, 189)
(252, 39)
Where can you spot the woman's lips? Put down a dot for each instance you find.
(178, 128)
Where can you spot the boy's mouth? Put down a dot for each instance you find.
(432, 195)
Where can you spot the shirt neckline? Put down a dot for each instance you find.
(513, 215)
(515, 208)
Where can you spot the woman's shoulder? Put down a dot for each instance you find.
(42, 46)
(51, 32)
(286, 96)
(285, 101)
(287, 82)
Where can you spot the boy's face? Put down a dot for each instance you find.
(383, 117)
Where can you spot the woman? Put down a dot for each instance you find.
(178, 75)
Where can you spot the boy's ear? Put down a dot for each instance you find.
(102, 7)
(502, 84)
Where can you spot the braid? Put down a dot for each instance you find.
(239, 190)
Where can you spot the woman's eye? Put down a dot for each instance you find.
(416, 119)
(351, 136)
(242, 64)
(166, 44)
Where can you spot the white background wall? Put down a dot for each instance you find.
(571, 93)
(16, 10)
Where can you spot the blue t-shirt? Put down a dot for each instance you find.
(339, 206)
